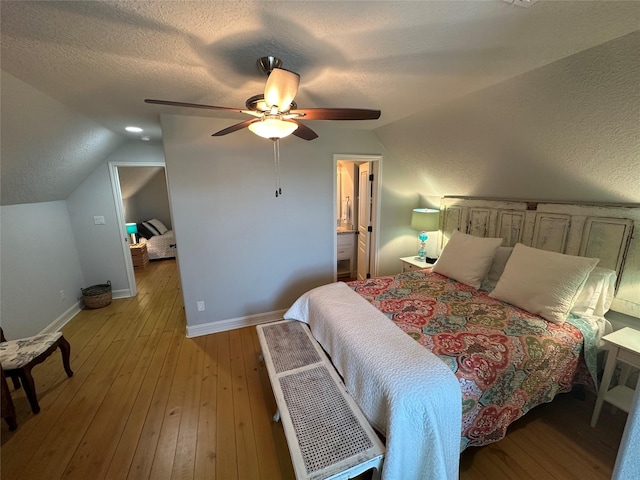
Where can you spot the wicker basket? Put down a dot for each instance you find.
(97, 296)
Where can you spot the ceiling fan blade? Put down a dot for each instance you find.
(194, 105)
(281, 89)
(303, 131)
(235, 128)
(338, 113)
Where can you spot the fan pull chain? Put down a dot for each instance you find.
(276, 161)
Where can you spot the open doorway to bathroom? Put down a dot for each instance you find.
(356, 215)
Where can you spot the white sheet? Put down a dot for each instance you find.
(161, 246)
(405, 391)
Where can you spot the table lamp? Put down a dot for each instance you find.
(424, 220)
(132, 229)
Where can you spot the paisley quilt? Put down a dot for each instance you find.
(507, 360)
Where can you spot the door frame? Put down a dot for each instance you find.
(375, 238)
(117, 200)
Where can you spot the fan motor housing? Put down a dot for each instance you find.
(267, 64)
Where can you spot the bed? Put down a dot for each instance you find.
(494, 352)
(160, 241)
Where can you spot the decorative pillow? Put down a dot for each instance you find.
(597, 293)
(541, 282)
(467, 258)
(144, 232)
(156, 224)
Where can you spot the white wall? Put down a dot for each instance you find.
(566, 131)
(38, 260)
(99, 248)
(242, 250)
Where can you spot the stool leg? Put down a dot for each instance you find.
(65, 349)
(16, 382)
(11, 422)
(29, 389)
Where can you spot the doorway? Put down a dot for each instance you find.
(356, 215)
(129, 179)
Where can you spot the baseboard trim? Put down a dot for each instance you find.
(63, 319)
(125, 293)
(233, 323)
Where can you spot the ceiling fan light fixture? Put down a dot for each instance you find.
(281, 88)
(271, 127)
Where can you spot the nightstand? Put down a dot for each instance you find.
(624, 346)
(413, 263)
(139, 255)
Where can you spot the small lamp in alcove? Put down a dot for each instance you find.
(132, 229)
(424, 220)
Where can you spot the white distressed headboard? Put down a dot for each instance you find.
(603, 231)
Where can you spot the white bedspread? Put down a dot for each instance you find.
(404, 390)
(161, 246)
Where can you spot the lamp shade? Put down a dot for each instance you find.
(132, 228)
(425, 219)
(281, 88)
(272, 127)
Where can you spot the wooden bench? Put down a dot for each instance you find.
(327, 434)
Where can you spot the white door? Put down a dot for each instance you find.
(365, 191)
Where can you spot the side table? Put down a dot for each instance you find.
(413, 263)
(623, 346)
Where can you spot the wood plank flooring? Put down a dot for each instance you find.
(146, 402)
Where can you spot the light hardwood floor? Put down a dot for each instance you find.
(146, 402)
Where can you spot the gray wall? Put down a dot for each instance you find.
(566, 131)
(242, 251)
(38, 260)
(99, 248)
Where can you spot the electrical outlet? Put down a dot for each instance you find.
(62, 297)
(200, 306)
(98, 220)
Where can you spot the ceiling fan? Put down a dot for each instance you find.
(275, 114)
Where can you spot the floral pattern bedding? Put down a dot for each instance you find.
(507, 360)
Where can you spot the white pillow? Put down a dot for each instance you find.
(157, 225)
(541, 282)
(467, 258)
(597, 294)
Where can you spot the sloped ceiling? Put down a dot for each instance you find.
(47, 149)
(133, 179)
(98, 60)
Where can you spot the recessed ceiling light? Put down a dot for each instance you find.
(145, 138)
(133, 129)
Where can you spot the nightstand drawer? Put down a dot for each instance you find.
(413, 263)
(408, 267)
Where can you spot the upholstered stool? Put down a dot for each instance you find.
(18, 357)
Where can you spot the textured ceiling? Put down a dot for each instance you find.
(101, 59)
